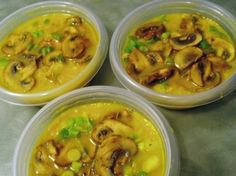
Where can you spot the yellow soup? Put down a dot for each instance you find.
(179, 54)
(45, 52)
(99, 139)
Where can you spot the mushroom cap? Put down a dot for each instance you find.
(73, 46)
(187, 57)
(223, 49)
(182, 42)
(17, 43)
(110, 127)
(18, 75)
(105, 160)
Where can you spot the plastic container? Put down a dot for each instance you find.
(155, 8)
(92, 94)
(42, 8)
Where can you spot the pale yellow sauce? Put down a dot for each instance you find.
(151, 156)
(41, 29)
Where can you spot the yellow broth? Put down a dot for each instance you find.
(45, 52)
(78, 141)
(179, 54)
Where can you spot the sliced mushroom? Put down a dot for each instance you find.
(154, 58)
(45, 156)
(157, 76)
(200, 72)
(113, 154)
(187, 57)
(18, 75)
(223, 49)
(90, 149)
(110, 127)
(73, 46)
(119, 115)
(207, 69)
(49, 42)
(149, 31)
(138, 61)
(55, 56)
(17, 43)
(214, 79)
(64, 157)
(219, 63)
(71, 30)
(54, 71)
(74, 21)
(196, 75)
(182, 42)
(163, 48)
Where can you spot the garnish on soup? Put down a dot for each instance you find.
(46, 52)
(182, 54)
(99, 139)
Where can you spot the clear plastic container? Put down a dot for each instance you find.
(92, 94)
(80, 80)
(155, 8)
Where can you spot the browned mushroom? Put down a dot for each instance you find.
(162, 47)
(18, 75)
(70, 152)
(213, 79)
(118, 115)
(223, 49)
(110, 127)
(154, 58)
(55, 56)
(73, 46)
(45, 156)
(219, 64)
(149, 31)
(187, 57)
(196, 75)
(138, 62)
(202, 74)
(113, 154)
(182, 42)
(157, 76)
(74, 21)
(17, 43)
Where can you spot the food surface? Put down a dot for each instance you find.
(99, 139)
(179, 54)
(45, 52)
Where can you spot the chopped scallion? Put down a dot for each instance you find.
(165, 35)
(76, 166)
(38, 33)
(64, 133)
(46, 50)
(30, 46)
(142, 173)
(3, 61)
(57, 36)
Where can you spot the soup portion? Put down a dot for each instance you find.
(99, 139)
(179, 54)
(46, 52)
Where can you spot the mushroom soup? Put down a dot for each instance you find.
(45, 52)
(179, 54)
(99, 139)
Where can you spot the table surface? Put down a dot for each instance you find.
(206, 135)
